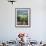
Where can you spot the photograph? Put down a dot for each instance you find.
(22, 17)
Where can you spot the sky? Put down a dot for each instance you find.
(22, 12)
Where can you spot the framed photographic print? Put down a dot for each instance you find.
(22, 17)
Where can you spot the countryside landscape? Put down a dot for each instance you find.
(22, 17)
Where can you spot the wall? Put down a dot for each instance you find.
(8, 31)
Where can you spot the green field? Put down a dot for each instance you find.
(22, 19)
